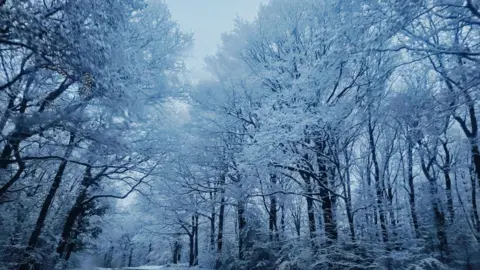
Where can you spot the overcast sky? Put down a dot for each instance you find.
(208, 19)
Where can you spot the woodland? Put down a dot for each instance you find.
(333, 134)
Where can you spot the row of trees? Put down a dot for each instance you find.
(80, 86)
(337, 135)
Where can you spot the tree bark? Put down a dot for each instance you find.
(327, 205)
(476, 218)
(348, 205)
(411, 187)
(212, 224)
(272, 219)
(242, 230)
(310, 210)
(221, 214)
(75, 211)
(196, 240)
(448, 181)
(439, 217)
(191, 237)
(378, 184)
(32, 242)
(130, 257)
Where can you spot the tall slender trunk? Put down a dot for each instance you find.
(411, 188)
(476, 159)
(378, 184)
(272, 219)
(130, 257)
(439, 217)
(310, 210)
(242, 230)
(32, 242)
(327, 204)
(191, 237)
(196, 240)
(212, 223)
(476, 219)
(448, 181)
(221, 214)
(348, 205)
(74, 212)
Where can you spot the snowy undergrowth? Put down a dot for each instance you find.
(152, 267)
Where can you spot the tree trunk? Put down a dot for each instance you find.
(191, 237)
(439, 217)
(221, 214)
(476, 219)
(327, 205)
(75, 211)
(272, 219)
(378, 185)
(212, 224)
(32, 242)
(348, 206)
(448, 181)
(310, 210)
(476, 159)
(411, 187)
(69, 250)
(196, 240)
(242, 230)
(6, 113)
(177, 247)
(130, 257)
(10, 147)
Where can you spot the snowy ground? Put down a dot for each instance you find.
(152, 267)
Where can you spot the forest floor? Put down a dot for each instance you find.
(153, 267)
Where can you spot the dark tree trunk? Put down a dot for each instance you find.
(348, 206)
(439, 217)
(10, 147)
(411, 189)
(448, 181)
(147, 260)
(130, 257)
(476, 159)
(177, 247)
(69, 250)
(476, 219)
(441, 229)
(310, 209)
(75, 212)
(191, 250)
(272, 219)
(196, 240)
(327, 205)
(107, 260)
(13, 179)
(7, 112)
(221, 214)
(378, 184)
(212, 224)
(32, 242)
(242, 230)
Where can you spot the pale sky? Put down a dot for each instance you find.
(208, 19)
